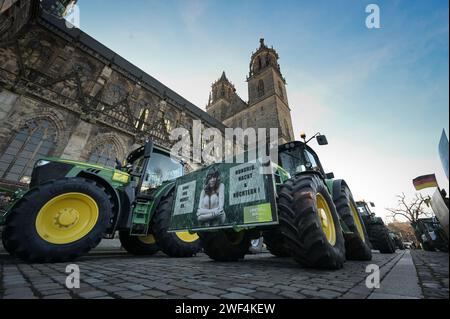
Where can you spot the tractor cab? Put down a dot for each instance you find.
(297, 157)
(364, 209)
(151, 169)
(151, 166)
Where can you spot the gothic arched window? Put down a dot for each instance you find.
(260, 88)
(103, 154)
(143, 117)
(33, 141)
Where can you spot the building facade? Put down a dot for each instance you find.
(267, 105)
(64, 94)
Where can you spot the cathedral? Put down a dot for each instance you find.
(64, 94)
(267, 105)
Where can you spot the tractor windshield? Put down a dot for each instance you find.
(362, 209)
(298, 158)
(161, 168)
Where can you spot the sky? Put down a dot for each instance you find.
(380, 96)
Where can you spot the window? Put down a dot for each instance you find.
(35, 140)
(160, 168)
(311, 162)
(260, 88)
(103, 154)
(143, 117)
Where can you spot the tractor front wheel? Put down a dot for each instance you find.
(310, 224)
(58, 221)
(173, 244)
(225, 245)
(138, 245)
(381, 239)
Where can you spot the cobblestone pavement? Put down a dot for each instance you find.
(432, 270)
(108, 275)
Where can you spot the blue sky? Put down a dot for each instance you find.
(380, 95)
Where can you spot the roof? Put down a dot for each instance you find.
(133, 71)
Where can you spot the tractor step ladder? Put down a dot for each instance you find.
(141, 217)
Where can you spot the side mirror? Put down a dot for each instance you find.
(372, 204)
(321, 139)
(148, 149)
(329, 175)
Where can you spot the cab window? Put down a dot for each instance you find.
(311, 163)
(161, 168)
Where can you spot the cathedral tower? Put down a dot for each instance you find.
(267, 93)
(267, 106)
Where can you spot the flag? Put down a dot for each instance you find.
(425, 181)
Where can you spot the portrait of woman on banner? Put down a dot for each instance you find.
(210, 208)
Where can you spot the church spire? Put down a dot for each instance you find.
(223, 77)
(222, 89)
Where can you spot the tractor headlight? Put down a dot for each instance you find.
(41, 163)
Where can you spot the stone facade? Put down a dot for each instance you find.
(268, 106)
(64, 94)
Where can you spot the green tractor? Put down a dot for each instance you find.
(397, 238)
(318, 222)
(70, 206)
(431, 235)
(379, 235)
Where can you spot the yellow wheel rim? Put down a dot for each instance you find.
(67, 218)
(187, 236)
(326, 219)
(359, 226)
(149, 239)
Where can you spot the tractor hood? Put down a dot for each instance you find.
(50, 168)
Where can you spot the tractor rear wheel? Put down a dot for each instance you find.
(58, 221)
(225, 245)
(274, 241)
(138, 245)
(310, 223)
(178, 244)
(357, 245)
(381, 239)
(5, 243)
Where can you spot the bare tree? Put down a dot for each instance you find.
(411, 211)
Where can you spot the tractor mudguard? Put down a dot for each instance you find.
(112, 191)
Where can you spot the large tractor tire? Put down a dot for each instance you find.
(58, 221)
(179, 244)
(427, 246)
(138, 245)
(357, 245)
(274, 241)
(5, 243)
(381, 239)
(225, 245)
(310, 223)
